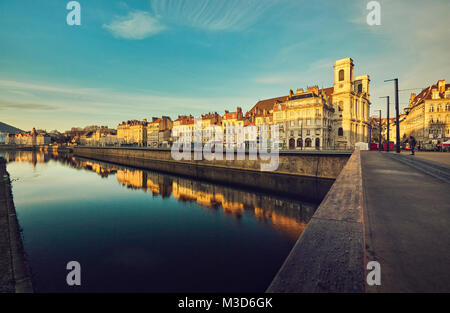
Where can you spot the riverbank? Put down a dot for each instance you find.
(42, 148)
(297, 174)
(14, 272)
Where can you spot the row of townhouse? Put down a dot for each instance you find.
(32, 138)
(427, 116)
(156, 133)
(313, 119)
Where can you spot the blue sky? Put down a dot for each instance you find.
(138, 59)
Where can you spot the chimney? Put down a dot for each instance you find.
(441, 86)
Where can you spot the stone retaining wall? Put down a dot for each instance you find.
(329, 255)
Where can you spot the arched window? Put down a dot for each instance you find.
(299, 142)
(317, 143)
(360, 89)
(308, 142)
(292, 143)
(340, 132)
(341, 75)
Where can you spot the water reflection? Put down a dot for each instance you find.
(287, 215)
(156, 232)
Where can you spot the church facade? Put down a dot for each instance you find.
(321, 119)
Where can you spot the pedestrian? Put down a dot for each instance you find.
(412, 144)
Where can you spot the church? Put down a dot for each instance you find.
(321, 119)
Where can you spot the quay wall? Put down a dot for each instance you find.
(14, 271)
(329, 256)
(307, 174)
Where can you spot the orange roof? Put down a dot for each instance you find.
(328, 92)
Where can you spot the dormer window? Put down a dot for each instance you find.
(435, 94)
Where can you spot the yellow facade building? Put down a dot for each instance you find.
(133, 132)
(427, 116)
(329, 118)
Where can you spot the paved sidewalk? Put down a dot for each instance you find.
(407, 225)
(439, 157)
(435, 169)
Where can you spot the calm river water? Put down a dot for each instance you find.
(134, 230)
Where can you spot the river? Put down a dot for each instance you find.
(134, 230)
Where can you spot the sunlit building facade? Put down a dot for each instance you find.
(427, 116)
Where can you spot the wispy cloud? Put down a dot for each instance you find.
(73, 104)
(312, 74)
(214, 15)
(25, 106)
(136, 25)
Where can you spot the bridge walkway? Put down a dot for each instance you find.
(407, 221)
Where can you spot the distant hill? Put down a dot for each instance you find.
(5, 128)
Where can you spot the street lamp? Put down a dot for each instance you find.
(379, 137)
(397, 127)
(387, 125)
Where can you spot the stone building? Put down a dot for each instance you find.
(183, 129)
(133, 132)
(427, 116)
(159, 131)
(329, 118)
(304, 120)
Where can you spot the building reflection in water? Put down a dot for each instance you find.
(286, 215)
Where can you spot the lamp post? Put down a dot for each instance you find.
(397, 114)
(387, 123)
(379, 137)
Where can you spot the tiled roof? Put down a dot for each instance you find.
(426, 94)
(266, 105)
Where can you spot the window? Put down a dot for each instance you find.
(317, 143)
(308, 142)
(308, 132)
(360, 89)
(299, 142)
(341, 75)
(291, 143)
(340, 132)
(341, 106)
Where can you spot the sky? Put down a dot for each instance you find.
(138, 59)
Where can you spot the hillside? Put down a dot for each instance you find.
(5, 128)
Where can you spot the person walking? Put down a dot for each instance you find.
(412, 144)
